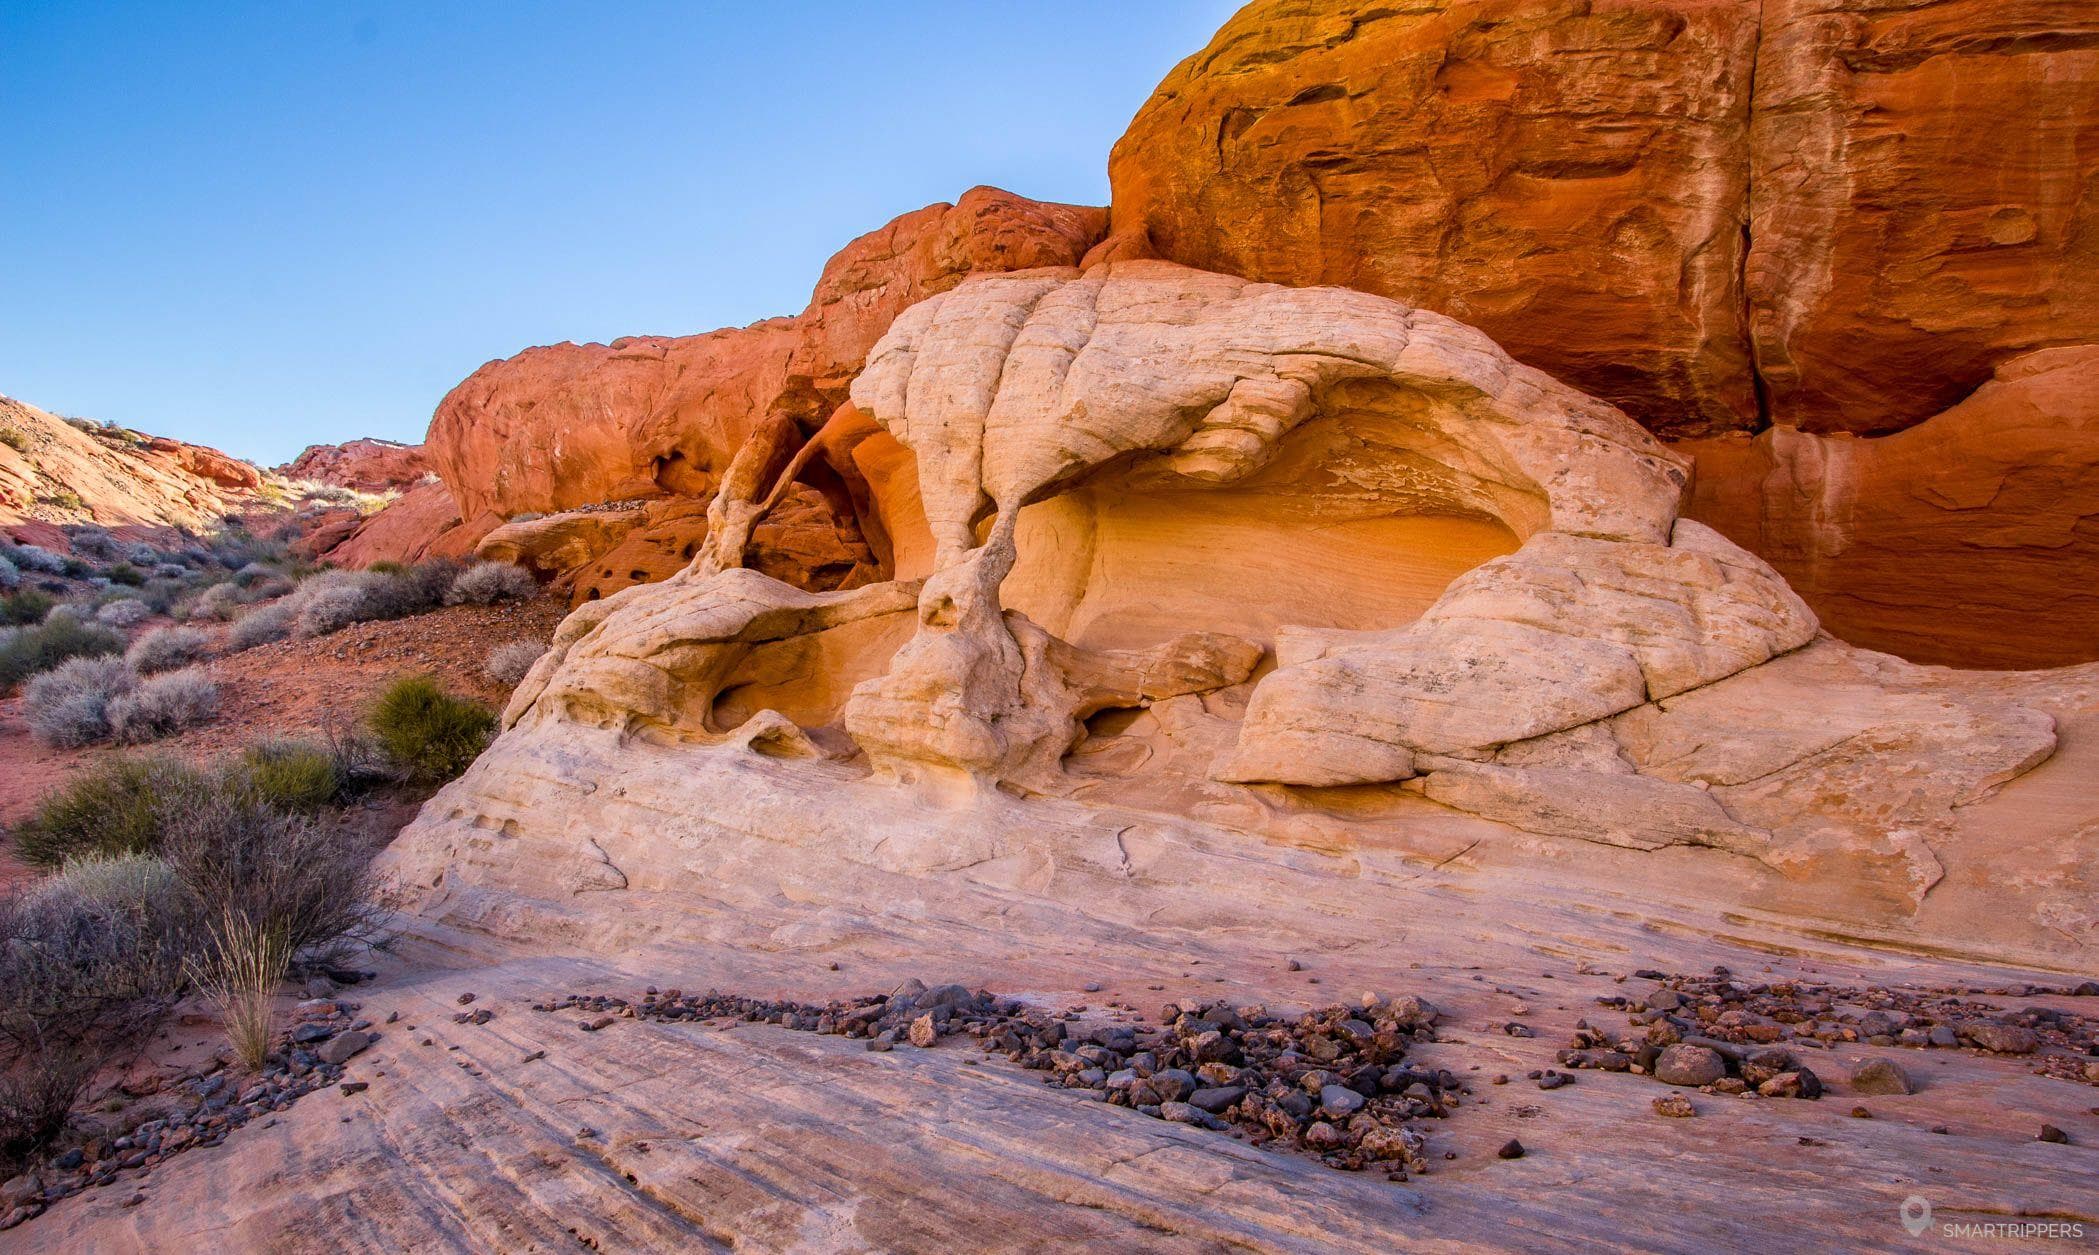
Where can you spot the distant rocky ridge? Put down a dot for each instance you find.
(56, 471)
(366, 464)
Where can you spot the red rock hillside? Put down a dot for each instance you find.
(56, 471)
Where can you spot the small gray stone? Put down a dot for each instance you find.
(1217, 1098)
(1339, 1100)
(341, 1047)
(1881, 1076)
(2004, 1039)
(1689, 1065)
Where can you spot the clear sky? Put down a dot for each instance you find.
(263, 226)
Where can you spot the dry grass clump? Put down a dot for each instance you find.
(163, 706)
(508, 664)
(60, 637)
(70, 705)
(240, 972)
(124, 612)
(165, 649)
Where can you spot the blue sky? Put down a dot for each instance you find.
(262, 226)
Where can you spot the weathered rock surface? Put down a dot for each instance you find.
(1970, 540)
(1615, 680)
(367, 464)
(1859, 209)
(1569, 178)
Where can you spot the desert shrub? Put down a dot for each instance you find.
(220, 601)
(28, 606)
(37, 558)
(163, 706)
(124, 612)
(417, 589)
(169, 571)
(70, 705)
(93, 542)
(507, 664)
(14, 438)
(10, 574)
(254, 573)
(140, 554)
(119, 806)
(311, 881)
(263, 624)
(165, 649)
(293, 776)
(429, 734)
(89, 960)
(334, 600)
(487, 582)
(58, 639)
(125, 573)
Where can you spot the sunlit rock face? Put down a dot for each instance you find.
(1239, 568)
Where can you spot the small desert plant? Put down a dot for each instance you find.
(334, 600)
(163, 706)
(254, 573)
(89, 959)
(58, 639)
(165, 649)
(14, 438)
(508, 664)
(125, 573)
(293, 776)
(10, 574)
(93, 542)
(28, 606)
(239, 972)
(429, 734)
(263, 624)
(37, 558)
(72, 704)
(141, 555)
(220, 601)
(487, 582)
(124, 612)
(308, 881)
(117, 807)
(416, 589)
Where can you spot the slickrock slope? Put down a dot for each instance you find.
(367, 464)
(1969, 540)
(55, 473)
(1855, 209)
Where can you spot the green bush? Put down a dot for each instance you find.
(293, 776)
(28, 606)
(120, 806)
(429, 734)
(125, 573)
(30, 650)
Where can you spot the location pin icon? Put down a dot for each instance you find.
(1916, 1214)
